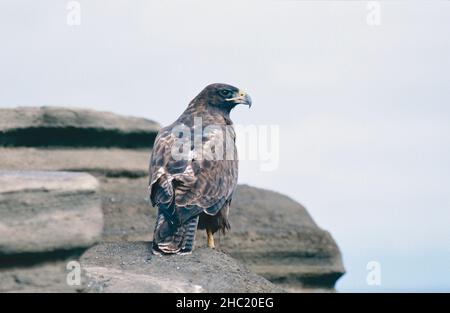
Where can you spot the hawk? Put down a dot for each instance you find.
(194, 170)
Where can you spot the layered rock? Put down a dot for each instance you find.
(131, 267)
(69, 139)
(108, 162)
(46, 220)
(48, 211)
(272, 234)
(56, 126)
(42, 275)
(277, 238)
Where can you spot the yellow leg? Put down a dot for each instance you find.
(210, 239)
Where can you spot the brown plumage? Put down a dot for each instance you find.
(193, 173)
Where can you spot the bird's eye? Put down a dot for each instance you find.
(225, 92)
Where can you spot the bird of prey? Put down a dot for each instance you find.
(194, 170)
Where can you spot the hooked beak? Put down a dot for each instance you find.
(243, 98)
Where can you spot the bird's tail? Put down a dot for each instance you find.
(173, 239)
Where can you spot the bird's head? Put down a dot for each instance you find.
(224, 97)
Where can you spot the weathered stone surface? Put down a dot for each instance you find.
(48, 276)
(131, 267)
(110, 162)
(271, 233)
(277, 238)
(48, 211)
(69, 127)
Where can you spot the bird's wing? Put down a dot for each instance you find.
(185, 188)
(161, 165)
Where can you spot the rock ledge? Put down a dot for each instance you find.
(131, 267)
(73, 127)
(48, 211)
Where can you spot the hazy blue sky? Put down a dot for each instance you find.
(363, 111)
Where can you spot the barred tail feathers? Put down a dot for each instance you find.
(172, 239)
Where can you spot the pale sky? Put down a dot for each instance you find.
(363, 111)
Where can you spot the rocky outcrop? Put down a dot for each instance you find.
(48, 211)
(102, 162)
(271, 234)
(277, 238)
(42, 275)
(46, 220)
(131, 267)
(56, 126)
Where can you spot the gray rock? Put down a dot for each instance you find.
(109, 162)
(69, 127)
(48, 211)
(130, 267)
(47, 276)
(270, 233)
(277, 238)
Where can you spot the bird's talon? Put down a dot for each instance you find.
(210, 239)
